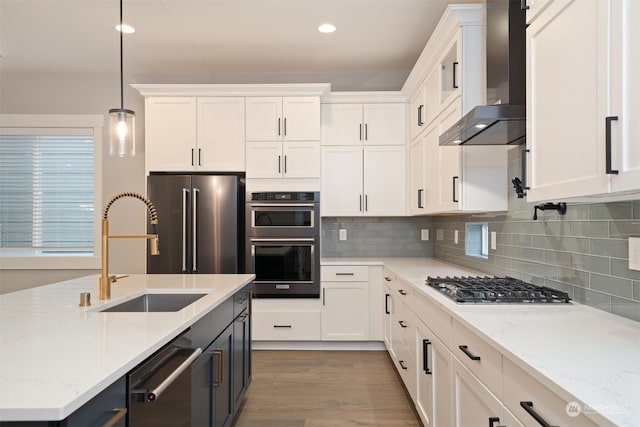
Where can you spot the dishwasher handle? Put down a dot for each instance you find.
(153, 395)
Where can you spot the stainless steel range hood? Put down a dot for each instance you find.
(503, 120)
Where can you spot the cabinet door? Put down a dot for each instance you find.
(222, 383)
(449, 187)
(241, 358)
(342, 124)
(417, 173)
(345, 311)
(566, 100)
(433, 398)
(342, 181)
(473, 404)
(110, 406)
(625, 98)
(221, 134)
(264, 118)
(450, 73)
(301, 159)
(170, 128)
(301, 118)
(264, 159)
(385, 180)
(385, 124)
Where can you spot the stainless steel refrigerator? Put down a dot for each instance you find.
(200, 223)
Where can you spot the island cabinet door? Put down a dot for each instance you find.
(212, 403)
(107, 408)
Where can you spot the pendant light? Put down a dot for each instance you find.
(121, 120)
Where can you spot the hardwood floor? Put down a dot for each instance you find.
(325, 389)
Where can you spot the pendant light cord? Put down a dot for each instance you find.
(121, 61)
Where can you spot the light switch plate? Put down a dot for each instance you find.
(424, 234)
(634, 253)
(455, 236)
(493, 240)
(343, 234)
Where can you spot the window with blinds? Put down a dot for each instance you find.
(47, 191)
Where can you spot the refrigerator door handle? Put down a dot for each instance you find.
(194, 227)
(185, 194)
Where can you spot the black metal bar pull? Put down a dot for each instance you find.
(465, 350)
(493, 420)
(386, 304)
(420, 122)
(425, 357)
(455, 84)
(608, 121)
(528, 406)
(455, 178)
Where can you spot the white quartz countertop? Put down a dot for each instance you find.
(582, 354)
(56, 356)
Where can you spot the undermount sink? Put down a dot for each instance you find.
(156, 302)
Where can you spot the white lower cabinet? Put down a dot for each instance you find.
(291, 319)
(473, 404)
(533, 403)
(345, 303)
(433, 394)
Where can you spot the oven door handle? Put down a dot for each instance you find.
(153, 395)
(281, 240)
(284, 205)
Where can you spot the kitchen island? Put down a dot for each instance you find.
(56, 355)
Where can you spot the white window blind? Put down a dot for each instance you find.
(47, 190)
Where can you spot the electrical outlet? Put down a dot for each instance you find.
(424, 234)
(634, 253)
(343, 234)
(455, 236)
(493, 240)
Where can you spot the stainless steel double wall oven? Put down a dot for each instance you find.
(283, 243)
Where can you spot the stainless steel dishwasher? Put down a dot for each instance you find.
(160, 388)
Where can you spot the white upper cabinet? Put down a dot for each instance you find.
(283, 118)
(369, 124)
(295, 159)
(582, 127)
(170, 133)
(220, 136)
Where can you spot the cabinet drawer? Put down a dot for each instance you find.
(347, 273)
(404, 326)
(286, 326)
(479, 357)
(403, 290)
(433, 317)
(520, 387)
(406, 366)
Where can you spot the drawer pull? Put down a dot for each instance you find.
(119, 413)
(387, 279)
(386, 304)
(401, 322)
(528, 406)
(344, 274)
(219, 353)
(402, 292)
(465, 350)
(425, 357)
(281, 326)
(401, 362)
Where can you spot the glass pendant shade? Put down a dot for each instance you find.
(122, 132)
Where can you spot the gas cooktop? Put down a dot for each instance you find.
(496, 290)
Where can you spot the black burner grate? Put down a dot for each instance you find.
(495, 290)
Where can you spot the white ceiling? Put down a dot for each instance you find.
(221, 41)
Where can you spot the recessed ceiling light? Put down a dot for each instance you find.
(457, 141)
(481, 126)
(327, 28)
(127, 29)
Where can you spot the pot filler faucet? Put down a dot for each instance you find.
(105, 279)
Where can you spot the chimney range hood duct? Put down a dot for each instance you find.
(503, 120)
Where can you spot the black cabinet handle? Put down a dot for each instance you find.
(455, 178)
(455, 85)
(528, 406)
(366, 199)
(493, 420)
(420, 122)
(402, 324)
(279, 163)
(387, 279)
(608, 121)
(465, 350)
(199, 156)
(524, 5)
(282, 326)
(425, 356)
(420, 191)
(344, 274)
(386, 304)
(285, 126)
(366, 131)
(401, 362)
(279, 126)
(285, 163)
(524, 169)
(192, 153)
(402, 292)
(361, 203)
